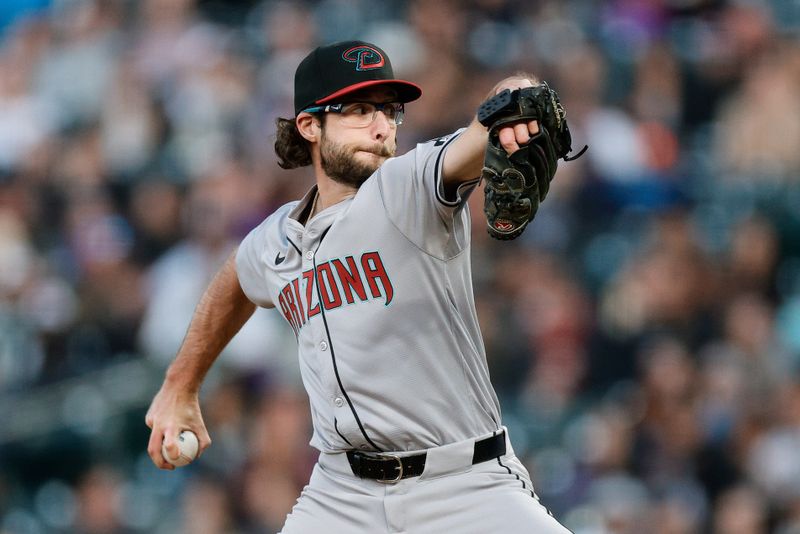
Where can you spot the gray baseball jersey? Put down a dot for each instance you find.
(378, 290)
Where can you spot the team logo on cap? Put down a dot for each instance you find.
(365, 57)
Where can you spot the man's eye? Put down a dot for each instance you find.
(358, 109)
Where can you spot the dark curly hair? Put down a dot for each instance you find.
(292, 149)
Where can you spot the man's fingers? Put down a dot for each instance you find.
(508, 140)
(154, 450)
(521, 133)
(204, 440)
(171, 442)
(514, 136)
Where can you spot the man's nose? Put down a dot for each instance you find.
(381, 125)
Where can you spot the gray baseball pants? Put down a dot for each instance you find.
(452, 496)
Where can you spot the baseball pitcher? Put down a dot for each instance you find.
(371, 268)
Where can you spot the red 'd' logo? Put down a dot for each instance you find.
(365, 57)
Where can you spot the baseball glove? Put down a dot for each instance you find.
(517, 183)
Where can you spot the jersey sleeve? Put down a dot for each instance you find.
(413, 194)
(252, 264)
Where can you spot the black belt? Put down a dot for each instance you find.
(392, 468)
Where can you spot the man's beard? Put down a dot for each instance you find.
(340, 164)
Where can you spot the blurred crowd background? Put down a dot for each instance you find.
(643, 334)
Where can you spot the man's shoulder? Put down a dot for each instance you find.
(443, 140)
(422, 149)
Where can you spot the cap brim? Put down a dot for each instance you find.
(406, 91)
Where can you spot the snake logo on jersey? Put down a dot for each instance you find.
(340, 281)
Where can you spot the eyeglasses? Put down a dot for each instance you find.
(361, 114)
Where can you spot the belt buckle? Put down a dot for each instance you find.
(399, 468)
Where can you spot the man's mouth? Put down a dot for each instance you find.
(380, 151)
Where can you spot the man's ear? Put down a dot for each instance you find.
(309, 127)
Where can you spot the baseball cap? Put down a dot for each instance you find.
(335, 70)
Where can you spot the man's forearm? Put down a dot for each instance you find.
(221, 313)
(463, 160)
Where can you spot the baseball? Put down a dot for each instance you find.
(188, 447)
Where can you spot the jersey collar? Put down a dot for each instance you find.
(299, 212)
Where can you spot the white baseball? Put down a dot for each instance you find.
(187, 447)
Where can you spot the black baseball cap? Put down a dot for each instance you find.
(335, 70)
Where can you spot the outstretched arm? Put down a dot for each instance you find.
(221, 313)
(463, 160)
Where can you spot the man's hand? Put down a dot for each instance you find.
(514, 135)
(171, 412)
(528, 134)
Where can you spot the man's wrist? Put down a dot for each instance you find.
(178, 379)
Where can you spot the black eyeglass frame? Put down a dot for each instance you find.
(339, 108)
